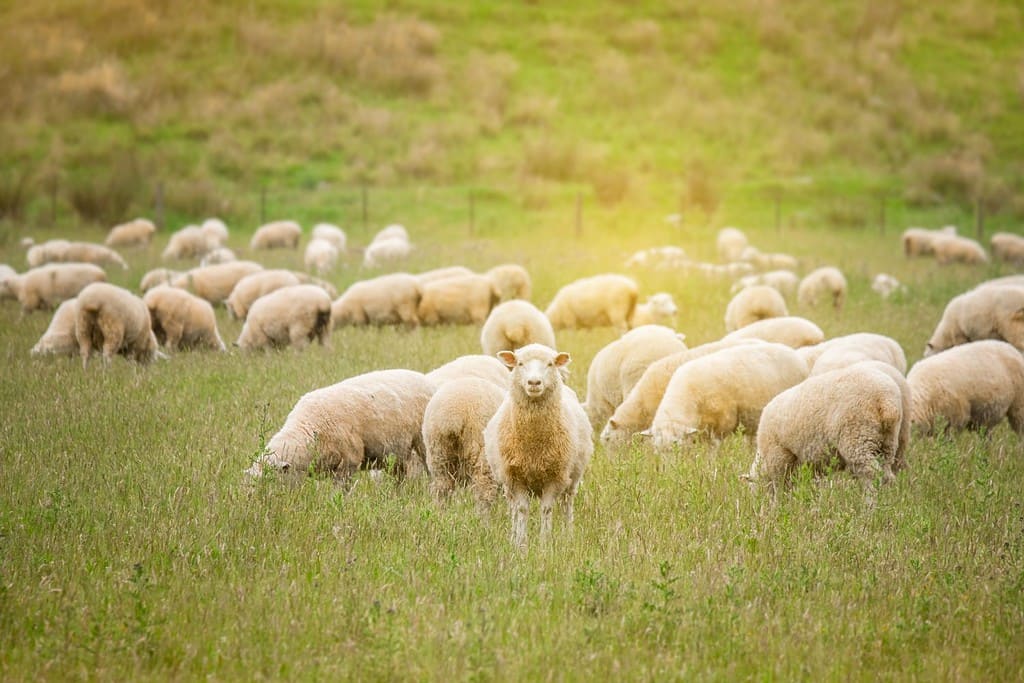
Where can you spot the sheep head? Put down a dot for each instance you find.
(536, 370)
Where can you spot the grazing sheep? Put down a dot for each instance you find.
(59, 338)
(361, 422)
(886, 285)
(793, 331)
(113, 320)
(970, 386)
(181, 320)
(730, 244)
(216, 232)
(386, 300)
(214, 283)
(442, 273)
(157, 276)
(617, 367)
(188, 243)
(659, 309)
(290, 316)
(1006, 280)
(217, 255)
(6, 273)
(852, 348)
(752, 304)
(63, 251)
(135, 233)
(320, 255)
(463, 300)
(276, 235)
(920, 241)
(386, 252)
(453, 435)
(1008, 248)
(659, 257)
(595, 301)
(538, 442)
(46, 286)
(826, 283)
(331, 233)
(511, 281)
(987, 312)
(474, 365)
(513, 325)
(714, 395)
(391, 232)
(954, 249)
(785, 281)
(768, 261)
(255, 285)
(854, 415)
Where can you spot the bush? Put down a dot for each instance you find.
(106, 198)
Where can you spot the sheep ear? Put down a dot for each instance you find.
(561, 359)
(507, 357)
(612, 423)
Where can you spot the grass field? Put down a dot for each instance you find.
(132, 546)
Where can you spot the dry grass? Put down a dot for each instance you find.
(552, 159)
(96, 90)
(639, 35)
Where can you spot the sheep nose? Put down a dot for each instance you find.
(533, 382)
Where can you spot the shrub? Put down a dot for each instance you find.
(106, 197)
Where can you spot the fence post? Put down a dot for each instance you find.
(158, 204)
(365, 211)
(472, 213)
(579, 213)
(263, 204)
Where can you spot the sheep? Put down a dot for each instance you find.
(46, 286)
(511, 281)
(113, 320)
(307, 279)
(617, 367)
(386, 300)
(320, 255)
(393, 231)
(453, 436)
(852, 348)
(157, 276)
(464, 300)
(659, 309)
(636, 412)
(6, 273)
(793, 331)
(361, 422)
(188, 243)
(253, 286)
(826, 283)
(63, 251)
(886, 285)
(290, 316)
(1008, 248)
(538, 442)
(514, 324)
(276, 235)
(785, 281)
(752, 304)
(487, 368)
(986, 312)
(954, 249)
(217, 255)
(214, 283)
(331, 233)
(216, 232)
(386, 252)
(970, 386)
(442, 273)
(920, 241)
(595, 301)
(181, 320)
(59, 338)
(714, 395)
(855, 415)
(134, 233)
(768, 261)
(658, 257)
(730, 244)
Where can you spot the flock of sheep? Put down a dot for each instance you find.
(504, 419)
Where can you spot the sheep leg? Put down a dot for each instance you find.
(519, 505)
(547, 505)
(484, 488)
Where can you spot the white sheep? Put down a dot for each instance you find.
(320, 255)
(442, 273)
(487, 368)
(214, 283)
(538, 442)
(886, 285)
(714, 395)
(386, 300)
(6, 273)
(991, 311)
(752, 304)
(511, 281)
(307, 279)
(255, 285)
(730, 244)
(852, 348)
(461, 300)
(1008, 248)
(659, 309)
(596, 301)
(386, 253)
(955, 249)
(135, 233)
(182, 320)
(920, 241)
(970, 386)
(217, 255)
(290, 316)
(361, 422)
(187, 243)
(157, 276)
(63, 251)
(513, 325)
(393, 231)
(46, 286)
(216, 232)
(785, 281)
(332, 233)
(793, 331)
(667, 257)
(617, 367)
(276, 235)
(59, 338)
(113, 320)
(453, 435)
(822, 284)
(769, 261)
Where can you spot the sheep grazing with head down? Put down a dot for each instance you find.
(215, 283)
(290, 316)
(320, 255)
(276, 235)
(990, 311)
(63, 251)
(752, 304)
(332, 233)
(955, 249)
(59, 338)
(135, 233)
(513, 325)
(538, 442)
(253, 286)
(46, 286)
(822, 284)
(182, 320)
(1008, 248)
(659, 309)
(730, 244)
(920, 241)
(216, 232)
(386, 300)
(786, 281)
(460, 300)
(188, 242)
(511, 281)
(113, 320)
(596, 301)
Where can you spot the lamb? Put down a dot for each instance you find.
(217, 255)
(320, 255)
(826, 283)
(386, 300)
(730, 244)
(793, 331)
(46, 286)
(386, 252)
(290, 316)
(59, 338)
(594, 301)
(971, 386)
(659, 309)
(785, 281)
(157, 276)
(360, 422)
(487, 368)
(538, 442)
(852, 348)
(253, 286)
(134, 233)
(714, 395)
(63, 251)
(113, 320)
(442, 273)
(886, 285)
(617, 367)
(188, 243)
(513, 325)
(987, 312)
(955, 249)
(181, 320)
(276, 235)
(464, 300)
(214, 283)
(216, 232)
(920, 241)
(511, 281)
(854, 414)
(753, 304)
(331, 233)
(453, 435)
(1008, 248)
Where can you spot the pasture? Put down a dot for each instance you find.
(132, 546)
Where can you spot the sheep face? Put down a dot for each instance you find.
(662, 304)
(535, 370)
